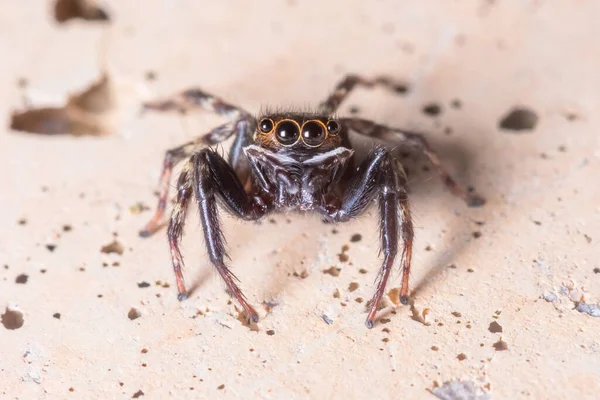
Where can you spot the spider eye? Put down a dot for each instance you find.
(313, 133)
(333, 127)
(287, 133)
(266, 125)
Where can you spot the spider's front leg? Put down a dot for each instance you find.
(175, 156)
(197, 99)
(209, 176)
(349, 83)
(382, 176)
(416, 141)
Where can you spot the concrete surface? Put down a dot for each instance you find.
(504, 295)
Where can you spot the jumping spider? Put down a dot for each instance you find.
(288, 161)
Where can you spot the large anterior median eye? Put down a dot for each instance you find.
(287, 133)
(313, 133)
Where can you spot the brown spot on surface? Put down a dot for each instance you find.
(353, 286)
(137, 394)
(221, 387)
(500, 345)
(143, 285)
(302, 274)
(134, 313)
(150, 75)
(113, 247)
(88, 10)
(597, 270)
(476, 234)
(51, 247)
(495, 327)
(56, 315)
(461, 357)
(432, 109)
(12, 318)
(22, 279)
(435, 348)
(357, 237)
(519, 119)
(333, 271)
(456, 314)
(270, 332)
(22, 82)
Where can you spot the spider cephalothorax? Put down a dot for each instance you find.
(291, 161)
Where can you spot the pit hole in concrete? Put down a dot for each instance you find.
(353, 286)
(500, 345)
(357, 237)
(137, 394)
(83, 114)
(113, 247)
(12, 318)
(432, 109)
(88, 10)
(519, 119)
(134, 313)
(495, 327)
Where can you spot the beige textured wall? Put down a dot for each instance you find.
(534, 261)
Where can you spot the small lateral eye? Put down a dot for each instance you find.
(265, 125)
(287, 133)
(313, 133)
(333, 127)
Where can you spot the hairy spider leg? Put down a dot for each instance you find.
(172, 158)
(175, 230)
(417, 141)
(211, 177)
(349, 83)
(380, 175)
(196, 99)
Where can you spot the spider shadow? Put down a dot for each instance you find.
(200, 281)
(424, 180)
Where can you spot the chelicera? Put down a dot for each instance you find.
(289, 161)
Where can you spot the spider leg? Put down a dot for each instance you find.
(350, 82)
(211, 177)
(177, 154)
(175, 230)
(417, 141)
(380, 175)
(197, 99)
